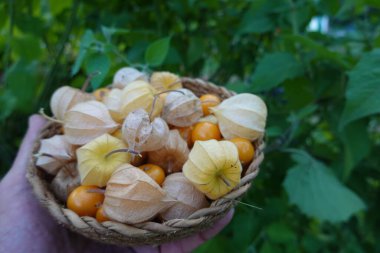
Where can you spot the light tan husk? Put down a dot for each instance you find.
(132, 196)
(142, 134)
(87, 121)
(188, 198)
(182, 108)
(172, 155)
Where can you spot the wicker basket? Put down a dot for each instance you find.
(147, 233)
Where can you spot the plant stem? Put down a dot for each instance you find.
(51, 76)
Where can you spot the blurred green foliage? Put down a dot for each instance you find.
(319, 185)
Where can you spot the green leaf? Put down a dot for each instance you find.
(280, 233)
(109, 31)
(210, 67)
(238, 86)
(273, 69)
(363, 89)
(256, 19)
(97, 62)
(87, 39)
(317, 192)
(293, 89)
(27, 47)
(57, 7)
(356, 145)
(7, 103)
(270, 248)
(256, 24)
(157, 52)
(195, 50)
(319, 51)
(21, 80)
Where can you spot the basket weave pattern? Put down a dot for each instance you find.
(146, 233)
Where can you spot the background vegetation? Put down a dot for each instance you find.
(319, 186)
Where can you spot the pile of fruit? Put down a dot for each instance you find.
(145, 148)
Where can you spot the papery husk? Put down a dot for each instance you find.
(64, 98)
(132, 196)
(95, 165)
(66, 180)
(143, 135)
(243, 115)
(127, 75)
(53, 153)
(213, 167)
(182, 108)
(164, 80)
(209, 118)
(87, 121)
(140, 94)
(188, 198)
(172, 155)
(113, 103)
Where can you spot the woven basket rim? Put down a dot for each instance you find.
(146, 233)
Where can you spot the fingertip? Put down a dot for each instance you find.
(36, 120)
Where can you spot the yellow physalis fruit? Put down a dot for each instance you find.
(54, 153)
(213, 167)
(96, 164)
(113, 102)
(173, 155)
(163, 81)
(87, 121)
(125, 76)
(65, 98)
(209, 100)
(182, 108)
(132, 196)
(188, 198)
(142, 134)
(245, 149)
(100, 94)
(140, 94)
(243, 115)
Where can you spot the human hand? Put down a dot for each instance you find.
(25, 226)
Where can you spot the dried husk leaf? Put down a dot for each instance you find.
(66, 181)
(65, 98)
(53, 153)
(143, 135)
(87, 121)
(172, 155)
(127, 75)
(113, 102)
(94, 166)
(188, 198)
(213, 167)
(132, 196)
(243, 115)
(163, 81)
(182, 108)
(140, 94)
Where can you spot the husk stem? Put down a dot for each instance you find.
(123, 150)
(43, 114)
(156, 97)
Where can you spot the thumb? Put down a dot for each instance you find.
(20, 163)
